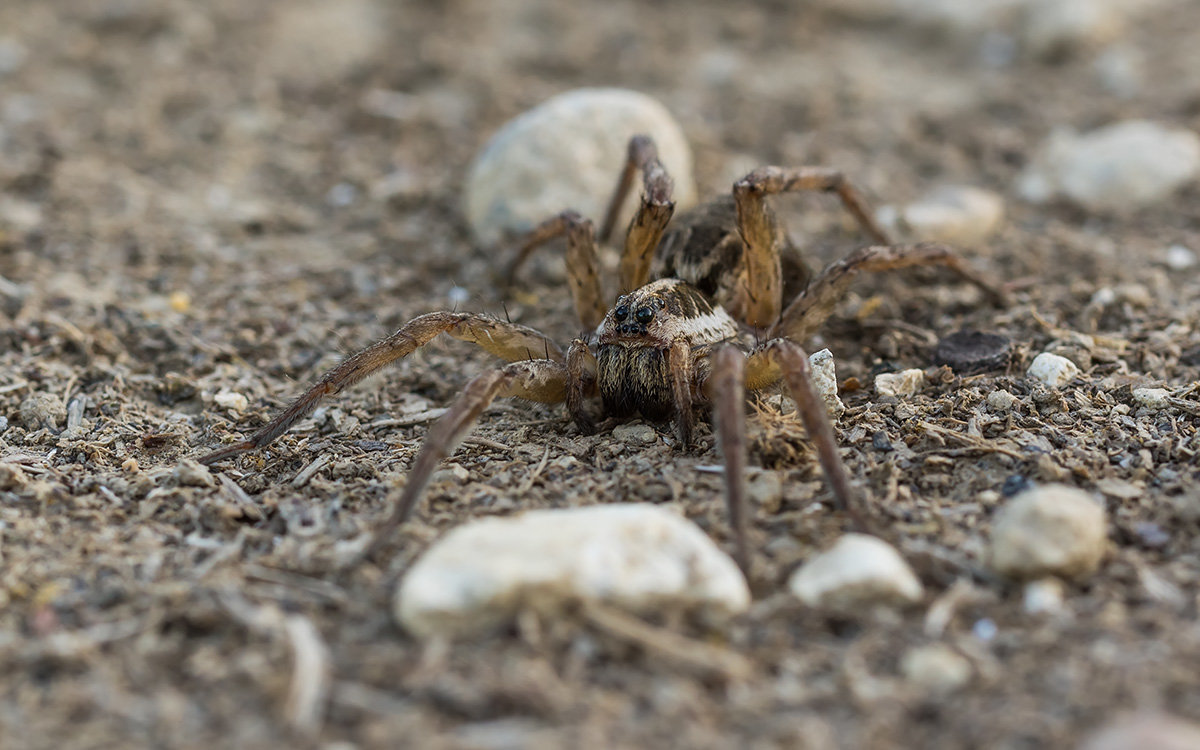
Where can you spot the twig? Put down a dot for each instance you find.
(705, 658)
(537, 471)
(312, 668)
(308, 472)
(486, 443)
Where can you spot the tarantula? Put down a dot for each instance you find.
(721, 277)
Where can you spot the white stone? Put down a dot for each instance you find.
(955, 214)
(904, 383)
(824, 378)
(1052, 369)
(567, 153)
(637, 433)
(936, 668)
(637, 557)
(1043, 596)
(1001, 400)
(1179, 257)
(1145, 731)
(231, 400)
(1120, 167)
(1152, 398)
(859, 570)
(1052, 530)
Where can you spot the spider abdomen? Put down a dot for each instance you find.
(635, 379)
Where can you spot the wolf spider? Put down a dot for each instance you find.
(721, 275)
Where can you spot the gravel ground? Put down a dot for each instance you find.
(205, 205)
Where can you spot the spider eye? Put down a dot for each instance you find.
(622, 312)
(644, 315)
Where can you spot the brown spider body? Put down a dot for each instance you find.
(633, 369)
(692, 300)
(704, 248)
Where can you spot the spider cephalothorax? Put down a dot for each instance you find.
(683, 339)
(634, 345)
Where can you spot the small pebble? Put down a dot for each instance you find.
(971, 352)
(859, 570)
(635, 433)
(955, 214)
(1179, 257)
(1001, 400)
(824, 378)
(567, 153)
(1120, 167)
(42, 411)
(1015, 485)
(1151, 535)
(765, 491)
(1146, 731)
(985, 629)
(231, 400)
(1155, 399)
(1052, 369)
(904, 383)
(1050, 530)
(938, 669)
(1043, 596)
(880, 442)
(189, 473)
(642, 558)
(179, 301)
(450, 474)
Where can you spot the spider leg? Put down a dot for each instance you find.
(782, 359)
(583, 275)
(680, 366)
(726, 384)
(652, 215)
(581, 382)
(808, 311)
(759, 293)
(542, 380)
(505, 340)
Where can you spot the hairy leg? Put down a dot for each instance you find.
(538, 380)
(782, 359)
(652, 216)
(583, 272)
(760, 290)
(505, 340)
(581, 383)
(808, 311)
(727, 390)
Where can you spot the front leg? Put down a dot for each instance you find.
(581, 383)
(652, 215)
(680, 368)
(505, 340)
(727, 391)
(780, 358)
(537, 380)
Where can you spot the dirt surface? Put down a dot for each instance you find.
(201, 201)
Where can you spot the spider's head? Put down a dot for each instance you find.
(661, 312)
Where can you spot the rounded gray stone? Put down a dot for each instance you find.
(567, 153)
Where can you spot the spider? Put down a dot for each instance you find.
(693, 302)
